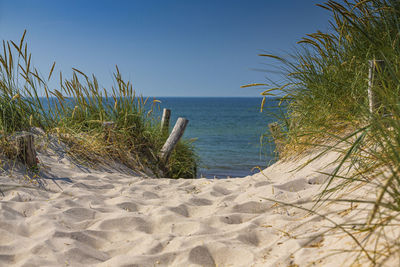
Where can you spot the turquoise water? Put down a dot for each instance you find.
(227, 132)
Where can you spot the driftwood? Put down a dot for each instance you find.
(173, 139)
(165, 120)
(26, 149)
(376, 69)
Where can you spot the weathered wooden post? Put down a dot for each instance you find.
(276, 133)
(165, 120)
(26, 149)
(173, 139)
(108, 127)
(376, 68)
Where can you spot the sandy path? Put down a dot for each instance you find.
(114, 219)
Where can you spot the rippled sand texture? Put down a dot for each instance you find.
(87, 217)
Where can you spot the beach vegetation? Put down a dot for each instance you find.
(326, 96)
(79, 112)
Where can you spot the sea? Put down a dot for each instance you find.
(228, 133)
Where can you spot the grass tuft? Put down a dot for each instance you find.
(77, 112)
(327, 108)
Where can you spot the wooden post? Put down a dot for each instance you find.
(108, 127)
(376, 68)
(165, 120)
(173, 139)
(26, 149)
(276, 133)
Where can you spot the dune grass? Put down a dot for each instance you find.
(77, 111)
(327, 101)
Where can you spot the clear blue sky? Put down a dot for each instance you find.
(165, 47)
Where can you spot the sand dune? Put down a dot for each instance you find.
(84, 217)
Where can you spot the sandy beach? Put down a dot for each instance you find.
(81, 217)
(98, 160)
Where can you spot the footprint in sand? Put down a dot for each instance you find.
(150, 195)
(93, 187)
(86, 256)
(7, 259)
(263, 183)
(127, 223)
(200, 202)
(249, 238)
(201, 255)
(232, 219)
(181, 210)
(78, 236)
(294, 185)
(251, 207)
(79, 214)
(128, 206)
(219, 191)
